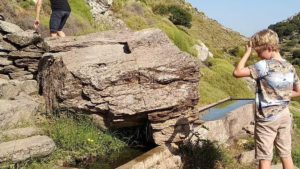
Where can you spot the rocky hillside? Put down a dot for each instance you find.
(289, 34)
(200, 36)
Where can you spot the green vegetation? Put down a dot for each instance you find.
(218, 83)
(177, 15)
(77, 139)
(26, 4)
(216, 156)
(295, 109)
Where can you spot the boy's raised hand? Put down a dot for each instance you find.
(249, 47)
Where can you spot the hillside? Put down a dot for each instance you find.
(289, 34)
(140, 14)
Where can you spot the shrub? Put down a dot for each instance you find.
(180, 16)
(181, 39)
(161, 10)
(296, 54)
(26, 4)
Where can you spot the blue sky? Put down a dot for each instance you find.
(247, 16)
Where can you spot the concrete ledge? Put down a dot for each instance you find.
(159, 157)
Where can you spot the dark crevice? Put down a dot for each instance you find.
(126, 47)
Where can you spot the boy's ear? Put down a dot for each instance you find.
(270, 49)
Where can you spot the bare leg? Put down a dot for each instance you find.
(61, 34)
(53, 34)
(264, 164)
(287, 163)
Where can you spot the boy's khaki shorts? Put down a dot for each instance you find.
(278, 133)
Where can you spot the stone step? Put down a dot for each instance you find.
(19, 133)
(23, 149)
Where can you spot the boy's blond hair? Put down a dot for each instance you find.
(265, 39)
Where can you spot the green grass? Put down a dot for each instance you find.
(181, 39)
(76, 139)
(218, 83)
(81, 10)
(295, 109)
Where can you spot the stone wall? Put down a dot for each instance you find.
(222, 130)
(20, 52)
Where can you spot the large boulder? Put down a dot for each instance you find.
(126, 78)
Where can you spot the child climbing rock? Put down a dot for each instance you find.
(277, 82)
(60, 13)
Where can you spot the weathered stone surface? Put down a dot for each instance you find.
(5, 61)
(158, 158)
(203, 52)
(20, 110)
(19, 133)
(122, 77)
(4, 46)
(26, 62)
(10, 89)
(225, 128)
(249, 129)
(6, 77)
(247, 157)
(21, 75)
(23, 54)
(10, 69)
(20, 150)
(24, 38)
(7, 27)
(99, 6)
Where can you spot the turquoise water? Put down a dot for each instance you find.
(221, 110)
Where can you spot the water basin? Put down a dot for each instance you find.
(221, 110)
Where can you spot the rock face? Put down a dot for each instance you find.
(19, 102)
(20, 52)
(228, 127)
(20, 150)
(99, 6)
(126, 78)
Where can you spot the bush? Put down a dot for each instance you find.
(161, 10)
(180, 16)
(26, 4)
(296, 54)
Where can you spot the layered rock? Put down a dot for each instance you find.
(20, 52)
(125, 78)
(23, 149)
(19, 102)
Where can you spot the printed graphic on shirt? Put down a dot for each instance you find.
(275, 81)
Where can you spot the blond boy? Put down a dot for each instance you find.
(277, 82)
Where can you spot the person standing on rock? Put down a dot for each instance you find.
(277, 82)
(60, 13)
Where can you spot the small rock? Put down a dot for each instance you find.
(5, 62)
(26, 62)
(19, 133)
(21, 75)
(10, 69)
(247, 157)
(249, 129)
(23, 54)
(6, 77)
(7, 27)
(4, 46)
(21, 150)
(24, 38)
